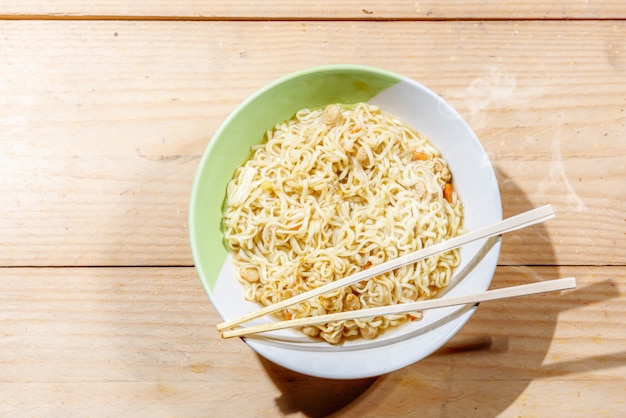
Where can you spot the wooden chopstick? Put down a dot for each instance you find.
(534, 216)
(507, 292)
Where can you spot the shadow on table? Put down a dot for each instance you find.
(436, 385)
(314, 397)
(439, 388)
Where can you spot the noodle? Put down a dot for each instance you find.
(330, 193)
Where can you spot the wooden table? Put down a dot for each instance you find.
(106, 108)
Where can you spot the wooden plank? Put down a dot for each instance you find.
(300, 398)
(325, 9)
(128, 341)
(103, 124)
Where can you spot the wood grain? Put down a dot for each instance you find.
(325, 9)
(142, 341)
(107, 106)
(102, 131)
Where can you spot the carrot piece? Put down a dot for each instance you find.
(448, 190)
(414, 316)
(287, 315)
(419, 156)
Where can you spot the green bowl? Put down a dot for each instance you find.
(407, 100)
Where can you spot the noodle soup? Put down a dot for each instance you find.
(334, 191)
